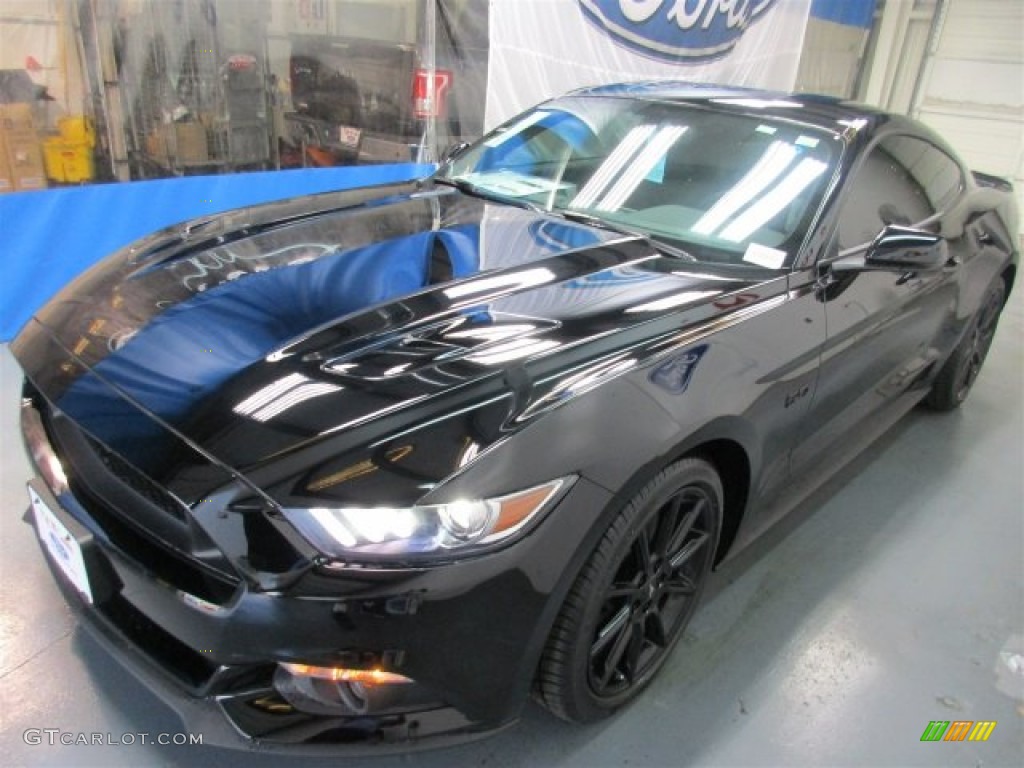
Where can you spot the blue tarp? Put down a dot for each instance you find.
(50, 237)
(238, 323)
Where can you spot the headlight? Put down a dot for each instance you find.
(434, 529)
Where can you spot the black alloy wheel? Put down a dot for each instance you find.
(958, 375)
(635, 595)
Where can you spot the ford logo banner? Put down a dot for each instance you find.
(676, 29)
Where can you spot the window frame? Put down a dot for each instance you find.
(832, 251)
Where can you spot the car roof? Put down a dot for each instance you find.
(827, 112)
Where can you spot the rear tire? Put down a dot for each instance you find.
(634, 596)
(958, 375)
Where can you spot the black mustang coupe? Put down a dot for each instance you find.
(371, 467)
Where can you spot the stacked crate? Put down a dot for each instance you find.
(21, 157)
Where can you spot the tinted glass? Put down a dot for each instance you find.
(724, 186)
(903, 181)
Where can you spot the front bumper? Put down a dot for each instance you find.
(469, 634)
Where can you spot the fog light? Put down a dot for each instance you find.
(343, 675)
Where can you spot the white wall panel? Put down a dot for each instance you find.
(990, 30)
(912, 51)
(978, 82)
(973, 93)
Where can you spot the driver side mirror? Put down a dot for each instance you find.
(905, 248)
(899, 249)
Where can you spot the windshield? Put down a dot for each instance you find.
(724, 187)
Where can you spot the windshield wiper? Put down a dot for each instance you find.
(463, 185)
(475, 190)
(596, 221)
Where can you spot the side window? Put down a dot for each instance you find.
(903, 181)
(933, 170)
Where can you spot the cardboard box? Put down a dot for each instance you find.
(22, 152)
(178, 142)
(16, 121)
(191, 138)
(25, 160)
(156, 145)
(6, 177)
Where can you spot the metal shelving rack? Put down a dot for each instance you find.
(198, 106)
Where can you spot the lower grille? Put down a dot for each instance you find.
(169, 652)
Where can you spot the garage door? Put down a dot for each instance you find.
(973, 88)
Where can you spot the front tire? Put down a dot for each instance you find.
(958, 375)
(634, 596)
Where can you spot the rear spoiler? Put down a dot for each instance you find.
(993, 182)
(990, 194)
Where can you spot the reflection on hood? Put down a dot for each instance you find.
(251, 344)
(231, 307)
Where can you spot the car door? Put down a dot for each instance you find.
(882, 326)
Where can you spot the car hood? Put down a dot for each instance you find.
(256, 334)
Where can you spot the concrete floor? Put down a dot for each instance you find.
(894, 597)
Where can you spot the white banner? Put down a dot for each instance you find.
(543, 48)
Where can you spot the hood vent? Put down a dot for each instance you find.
(472, 336)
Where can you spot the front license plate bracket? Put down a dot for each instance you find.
(64, 546)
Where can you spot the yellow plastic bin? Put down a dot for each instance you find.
(68, 162)
(77, 129)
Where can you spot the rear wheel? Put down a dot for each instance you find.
(634, 596)
(958, 375)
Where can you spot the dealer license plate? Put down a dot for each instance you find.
(62, 546)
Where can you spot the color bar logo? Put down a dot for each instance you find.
(958, 730)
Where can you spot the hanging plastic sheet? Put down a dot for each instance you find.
(835, 46)
(542, 48)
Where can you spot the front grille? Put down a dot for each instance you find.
(141, 552)
(171, 567)
(141, 519)
(138, 481)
